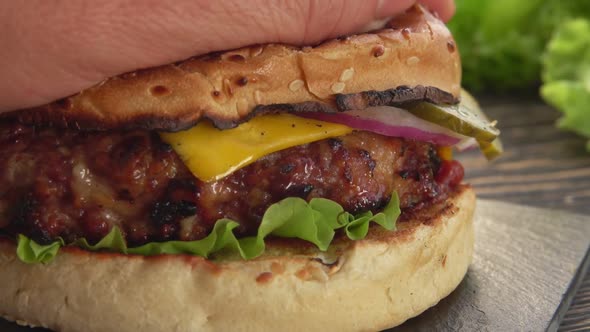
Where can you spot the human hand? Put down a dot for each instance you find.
(54, 49)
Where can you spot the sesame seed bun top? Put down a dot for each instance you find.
(415, 50)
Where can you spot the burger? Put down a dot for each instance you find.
(265, 188)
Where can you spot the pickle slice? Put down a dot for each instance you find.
(492, 149)
(466, 118)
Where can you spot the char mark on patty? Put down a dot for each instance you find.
(72, 184)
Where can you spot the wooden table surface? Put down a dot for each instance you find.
(541, 167)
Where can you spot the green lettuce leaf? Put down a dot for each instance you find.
(315, 222)
(566, 75)
(31, 252)
(500, 40)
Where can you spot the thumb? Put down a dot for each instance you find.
(54, 49)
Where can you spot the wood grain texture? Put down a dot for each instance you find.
(542, 167)
(577, 317)
(524, 262)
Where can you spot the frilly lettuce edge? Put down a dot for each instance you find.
(315, 222)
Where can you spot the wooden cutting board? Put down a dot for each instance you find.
(526, 269)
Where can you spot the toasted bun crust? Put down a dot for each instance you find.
(416, 49)
(370, 284)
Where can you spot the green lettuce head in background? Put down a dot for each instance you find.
(501, 41)
(566, 75)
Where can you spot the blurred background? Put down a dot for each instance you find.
(529, 47)
(528, 62)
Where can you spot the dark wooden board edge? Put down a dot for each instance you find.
(569, 296)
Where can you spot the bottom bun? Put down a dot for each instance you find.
(371, 284)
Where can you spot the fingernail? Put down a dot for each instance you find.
(376, 24)
(383, 12)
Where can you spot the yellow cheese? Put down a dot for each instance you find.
(211, 154)
(445, 152)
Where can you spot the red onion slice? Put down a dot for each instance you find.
(467, 144)
(395, 122)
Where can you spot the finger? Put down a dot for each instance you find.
(53, 49)
(444, 8)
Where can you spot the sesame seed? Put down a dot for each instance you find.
(236, 58)
(242, 81)
(256, 50)
(346, 74)
(406, 33)
(378, 50)
(258, 97)
(412, 60)
(338, 87)
(159, 91)
(228, 87)
(451, 46)
(296, 85)
(242, 106)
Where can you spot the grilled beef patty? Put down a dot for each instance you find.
(73, 184)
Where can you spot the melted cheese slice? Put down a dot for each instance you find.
(211, 154)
